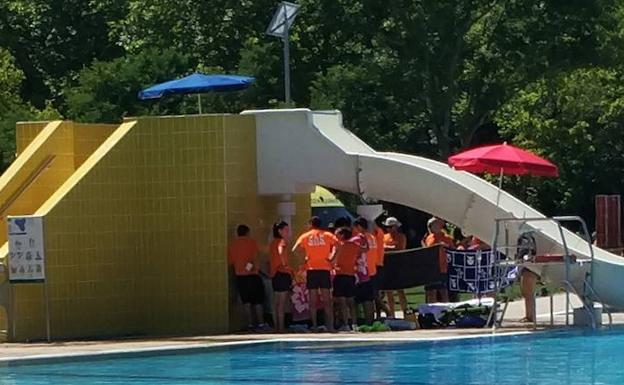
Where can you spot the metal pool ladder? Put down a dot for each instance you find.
(588, 297)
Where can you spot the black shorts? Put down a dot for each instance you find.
(440, 285)
(250, 288)
(318, 279)
(364, 292)
(378, 279)
(281, 282)
(344, 286)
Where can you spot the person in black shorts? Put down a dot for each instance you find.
(344, 281)
(243, 257)
(281, 273)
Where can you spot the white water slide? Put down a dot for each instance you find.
(299, 148)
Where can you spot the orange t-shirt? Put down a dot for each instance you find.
(372, 254)
(318, 245)
(346, 257)
(243, 250)
(395, 242)
(433, 239)
(379, 241)
(277, 264)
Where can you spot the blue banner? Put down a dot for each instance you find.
(477, 271)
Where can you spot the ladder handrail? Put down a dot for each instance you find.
(567, 260)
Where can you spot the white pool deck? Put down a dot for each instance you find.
(11, 352)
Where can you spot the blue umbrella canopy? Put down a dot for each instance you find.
(197, 83)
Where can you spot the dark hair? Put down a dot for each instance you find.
(315, 222)
(458, 234)
(342, 222)
(362, 222)
(277, 226)
(345, 233)
(242, 230)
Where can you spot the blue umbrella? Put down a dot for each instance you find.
(196, 84)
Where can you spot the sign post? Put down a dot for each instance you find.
(27, 257)
(279, 27)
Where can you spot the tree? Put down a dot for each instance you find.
(107, 91)
(448, 66)
(576, 119)
(51, 39)
(12, 108)
(212, 33)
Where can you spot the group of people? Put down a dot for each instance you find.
(343, 270)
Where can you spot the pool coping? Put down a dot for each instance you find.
(52, 358)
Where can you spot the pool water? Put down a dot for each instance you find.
(543, 358)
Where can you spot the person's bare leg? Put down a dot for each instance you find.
(402, 301)
(390, 297)
(329, 309)
(352, 310)
(276, 297)
(381, 306)
(528, 280)
(443, 295)
(343, 310)
(248, 316)
(369, 312)
(312, 302)
(259, 315)
(431, 296)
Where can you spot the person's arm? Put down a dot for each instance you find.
(282, 254)
(334, 242)
(297, 244)
(402, 242)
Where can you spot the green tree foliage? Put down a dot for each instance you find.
(576, 119)
(445, 67)
(12, 108)
(107, 90)
(51, 39)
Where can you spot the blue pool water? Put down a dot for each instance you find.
(549, 358)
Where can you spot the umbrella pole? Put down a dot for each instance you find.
(199, 103)
(500, 187)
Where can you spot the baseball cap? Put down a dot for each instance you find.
(392, 221)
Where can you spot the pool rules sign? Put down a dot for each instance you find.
(26, 249)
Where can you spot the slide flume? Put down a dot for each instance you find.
(299, 148)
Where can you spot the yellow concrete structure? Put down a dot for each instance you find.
(136, 224)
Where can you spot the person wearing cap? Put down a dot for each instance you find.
(438, 291)
(320, 248)
(378, 280)
(394, 240)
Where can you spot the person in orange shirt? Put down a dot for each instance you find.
(380, 306)
(438, 292)
(319, 247)
(281, 273)
(365, 291)
(347, 254)
(394, 240)
(243, 257)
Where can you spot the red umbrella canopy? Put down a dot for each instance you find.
(503, 157)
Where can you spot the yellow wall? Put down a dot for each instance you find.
(25, 132)
(136, 238)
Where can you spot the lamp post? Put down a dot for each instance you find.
(279, 27)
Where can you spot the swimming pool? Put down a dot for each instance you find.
(544, 358)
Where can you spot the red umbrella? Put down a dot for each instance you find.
(503, 159)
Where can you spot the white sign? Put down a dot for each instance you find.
(283, 19)
(26, 249)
